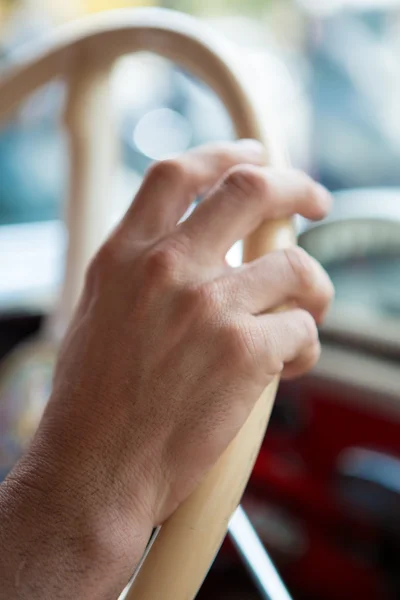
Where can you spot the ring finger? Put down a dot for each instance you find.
(279, 278)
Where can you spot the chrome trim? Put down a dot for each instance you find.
(256, 558)
(253, 553)
(140, 564)
(372, 467)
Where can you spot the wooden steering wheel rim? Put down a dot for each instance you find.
(84, 54)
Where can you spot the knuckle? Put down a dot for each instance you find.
(207, 298)
(247, 180)
(302, 266)
(241, 344)
(233, 340)
(310, 278)
(169, 171)
(224, 156)
(274, 363)
(310, 327)
(103, 263)
(163, 262)
(305, 362)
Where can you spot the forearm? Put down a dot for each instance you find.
(62, 546)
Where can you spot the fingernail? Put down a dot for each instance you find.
(253, 147)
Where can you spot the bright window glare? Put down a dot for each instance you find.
(234, 256)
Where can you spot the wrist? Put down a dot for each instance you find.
(51, 529)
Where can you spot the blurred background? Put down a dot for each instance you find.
(325, 492)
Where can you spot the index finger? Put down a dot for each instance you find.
(170, 186)
(248, 196)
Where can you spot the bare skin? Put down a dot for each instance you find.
(167, 353)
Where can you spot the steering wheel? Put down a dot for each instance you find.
(83, 55)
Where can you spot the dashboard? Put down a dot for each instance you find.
(359, 246)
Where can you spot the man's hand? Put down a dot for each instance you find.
(167, 354)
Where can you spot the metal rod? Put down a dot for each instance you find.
(252, 551)
(256, 558)
(140, 564)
